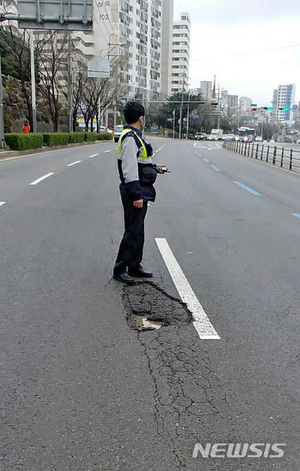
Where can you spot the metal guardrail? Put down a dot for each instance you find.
(284, 157)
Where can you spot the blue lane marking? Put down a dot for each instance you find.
(297, 215)
(247, 188)
(216, 168)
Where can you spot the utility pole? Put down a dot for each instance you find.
(33, 92)
(70, 85)
(174, 123)
(181, 108)
(115, 114)
(188, 118)
(2, 141)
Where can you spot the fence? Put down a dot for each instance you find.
(284, 157)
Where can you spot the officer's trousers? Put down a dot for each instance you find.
(132, 245)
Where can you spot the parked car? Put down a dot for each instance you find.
(117, 132)
(200, 136)
(258, 139)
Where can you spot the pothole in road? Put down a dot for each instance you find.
(149, 308)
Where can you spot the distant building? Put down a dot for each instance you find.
(233, 102)
(195, 91)
(206, 90)
(180, 54)
(283, 100)
(245, 104)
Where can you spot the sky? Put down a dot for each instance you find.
(245, 44)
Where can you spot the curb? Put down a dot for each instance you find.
(13, 154)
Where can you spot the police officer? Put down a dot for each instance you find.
(137, 175)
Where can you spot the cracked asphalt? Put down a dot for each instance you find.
(81, 389)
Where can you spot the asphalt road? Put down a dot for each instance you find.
(80, 389)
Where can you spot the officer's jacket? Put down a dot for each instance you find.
(136, 170)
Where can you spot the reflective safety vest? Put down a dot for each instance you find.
(142, 156)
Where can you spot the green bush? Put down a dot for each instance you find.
(104, 136)
(19, 141)
(76, 137)
(90, 136)
(56, 139)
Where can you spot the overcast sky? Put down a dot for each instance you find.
(233, 39)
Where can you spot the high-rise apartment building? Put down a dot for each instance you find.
(180, 54)
(283, 100)
(142, 26)
(140, 33)
(166, 48)
(245, 104)
(206, 90)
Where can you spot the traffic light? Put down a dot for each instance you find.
(270, 109)
(253, 109)
(286, 108)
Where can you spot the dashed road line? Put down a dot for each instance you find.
(201, 322)
(107, 151)
(94, 155)
(217, 169)
(42, 178)
(74, 163)
(247, 188)
(206, 160)
(2, 203)
(296, 215)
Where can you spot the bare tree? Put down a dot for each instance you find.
(91, 92)
(52, 52)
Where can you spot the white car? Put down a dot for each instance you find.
(117, 132)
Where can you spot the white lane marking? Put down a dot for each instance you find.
(201, 322)
(296, 215)
(2, 203)
(107, 151)
(206, 160)
(74, 163)
(42, 178)
(94, 155)
(217, 169)
(247, 188)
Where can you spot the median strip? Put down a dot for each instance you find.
(41, 179)
(247, 188)
(201, 322)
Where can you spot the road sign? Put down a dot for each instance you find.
(295, 107)
(72, 15)
(98, 68)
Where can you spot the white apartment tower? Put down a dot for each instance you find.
(283, 100)
(245, 104)
(180, 54)
(138, 27)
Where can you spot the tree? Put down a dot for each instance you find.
(89, 93)
(52, 53)
(15, 61)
